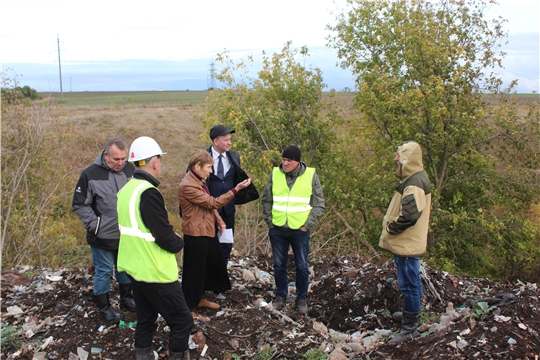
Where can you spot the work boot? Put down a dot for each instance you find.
(301, 306)
(144, 354)
(126, 297)
(208, 304)
(179, 355)
(398, 316)
(409, 328)
(105, 311)
(278, 303)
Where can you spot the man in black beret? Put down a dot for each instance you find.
(292, 202)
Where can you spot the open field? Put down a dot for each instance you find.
(86, 98)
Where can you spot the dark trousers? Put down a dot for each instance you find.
(166, 299)
(204, 268)
(226, 248)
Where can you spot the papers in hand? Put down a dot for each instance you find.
(226, 236)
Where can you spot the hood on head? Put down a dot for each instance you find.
(410, 158)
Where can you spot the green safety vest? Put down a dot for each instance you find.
(138, 254)
(291, 206)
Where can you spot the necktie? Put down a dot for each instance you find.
(220, 173)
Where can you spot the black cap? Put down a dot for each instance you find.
(219, 130)
(292, 152)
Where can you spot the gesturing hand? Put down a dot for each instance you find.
(242, 185)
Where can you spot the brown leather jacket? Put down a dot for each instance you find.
(199, 209)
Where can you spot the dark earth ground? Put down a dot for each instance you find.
(351, 300)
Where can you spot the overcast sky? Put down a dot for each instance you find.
(96, 37)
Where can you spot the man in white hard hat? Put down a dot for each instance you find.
(147, 250)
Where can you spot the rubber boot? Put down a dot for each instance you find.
(184, 355)
(398, 316)
(144, 354)
(126, 297)
(409, 328)
(105, 311)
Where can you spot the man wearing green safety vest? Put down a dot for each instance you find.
(146, 253)
(292, 202)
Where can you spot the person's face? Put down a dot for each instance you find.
(396, 159)
(289, 165)
(157, 167)
(115, 158)
(222, 143)
(203, 171)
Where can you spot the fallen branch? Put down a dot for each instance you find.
(227, 334)
(427, 280)
(371, 249)
(286, 318)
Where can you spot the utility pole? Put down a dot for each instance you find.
(60, 68)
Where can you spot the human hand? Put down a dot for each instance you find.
(222, 228)
(242, 185)
(304, 229)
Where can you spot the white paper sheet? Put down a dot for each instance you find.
(226, 237)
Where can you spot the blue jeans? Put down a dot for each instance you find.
(104, 260)
(299, 241)
(410, 284)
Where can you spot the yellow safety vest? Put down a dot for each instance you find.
(138, 254)
(291, 206)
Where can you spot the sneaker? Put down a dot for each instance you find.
(278, 303)
(301, 306)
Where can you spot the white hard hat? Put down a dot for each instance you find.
(143, 148)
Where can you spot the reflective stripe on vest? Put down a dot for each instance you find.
(133, 228)
(138, 253)
(291, 206)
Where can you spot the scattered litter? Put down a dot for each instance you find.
(500, 318)
(53, 277)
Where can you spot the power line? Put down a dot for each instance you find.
(211, 80)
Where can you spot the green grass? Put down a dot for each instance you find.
(126, 98)
(107, 98)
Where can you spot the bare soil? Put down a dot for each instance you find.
(351, 301)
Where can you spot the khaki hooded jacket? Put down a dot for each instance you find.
(406, 223)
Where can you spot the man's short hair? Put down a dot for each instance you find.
(120, 144)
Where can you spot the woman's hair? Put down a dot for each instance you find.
(200, 157)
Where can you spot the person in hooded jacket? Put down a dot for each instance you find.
(405, 233)
(94, 201)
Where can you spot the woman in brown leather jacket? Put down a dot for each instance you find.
(204, 267)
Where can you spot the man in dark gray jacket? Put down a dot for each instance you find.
(94, 201)
(292, 202)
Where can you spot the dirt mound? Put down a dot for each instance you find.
(49, 315)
